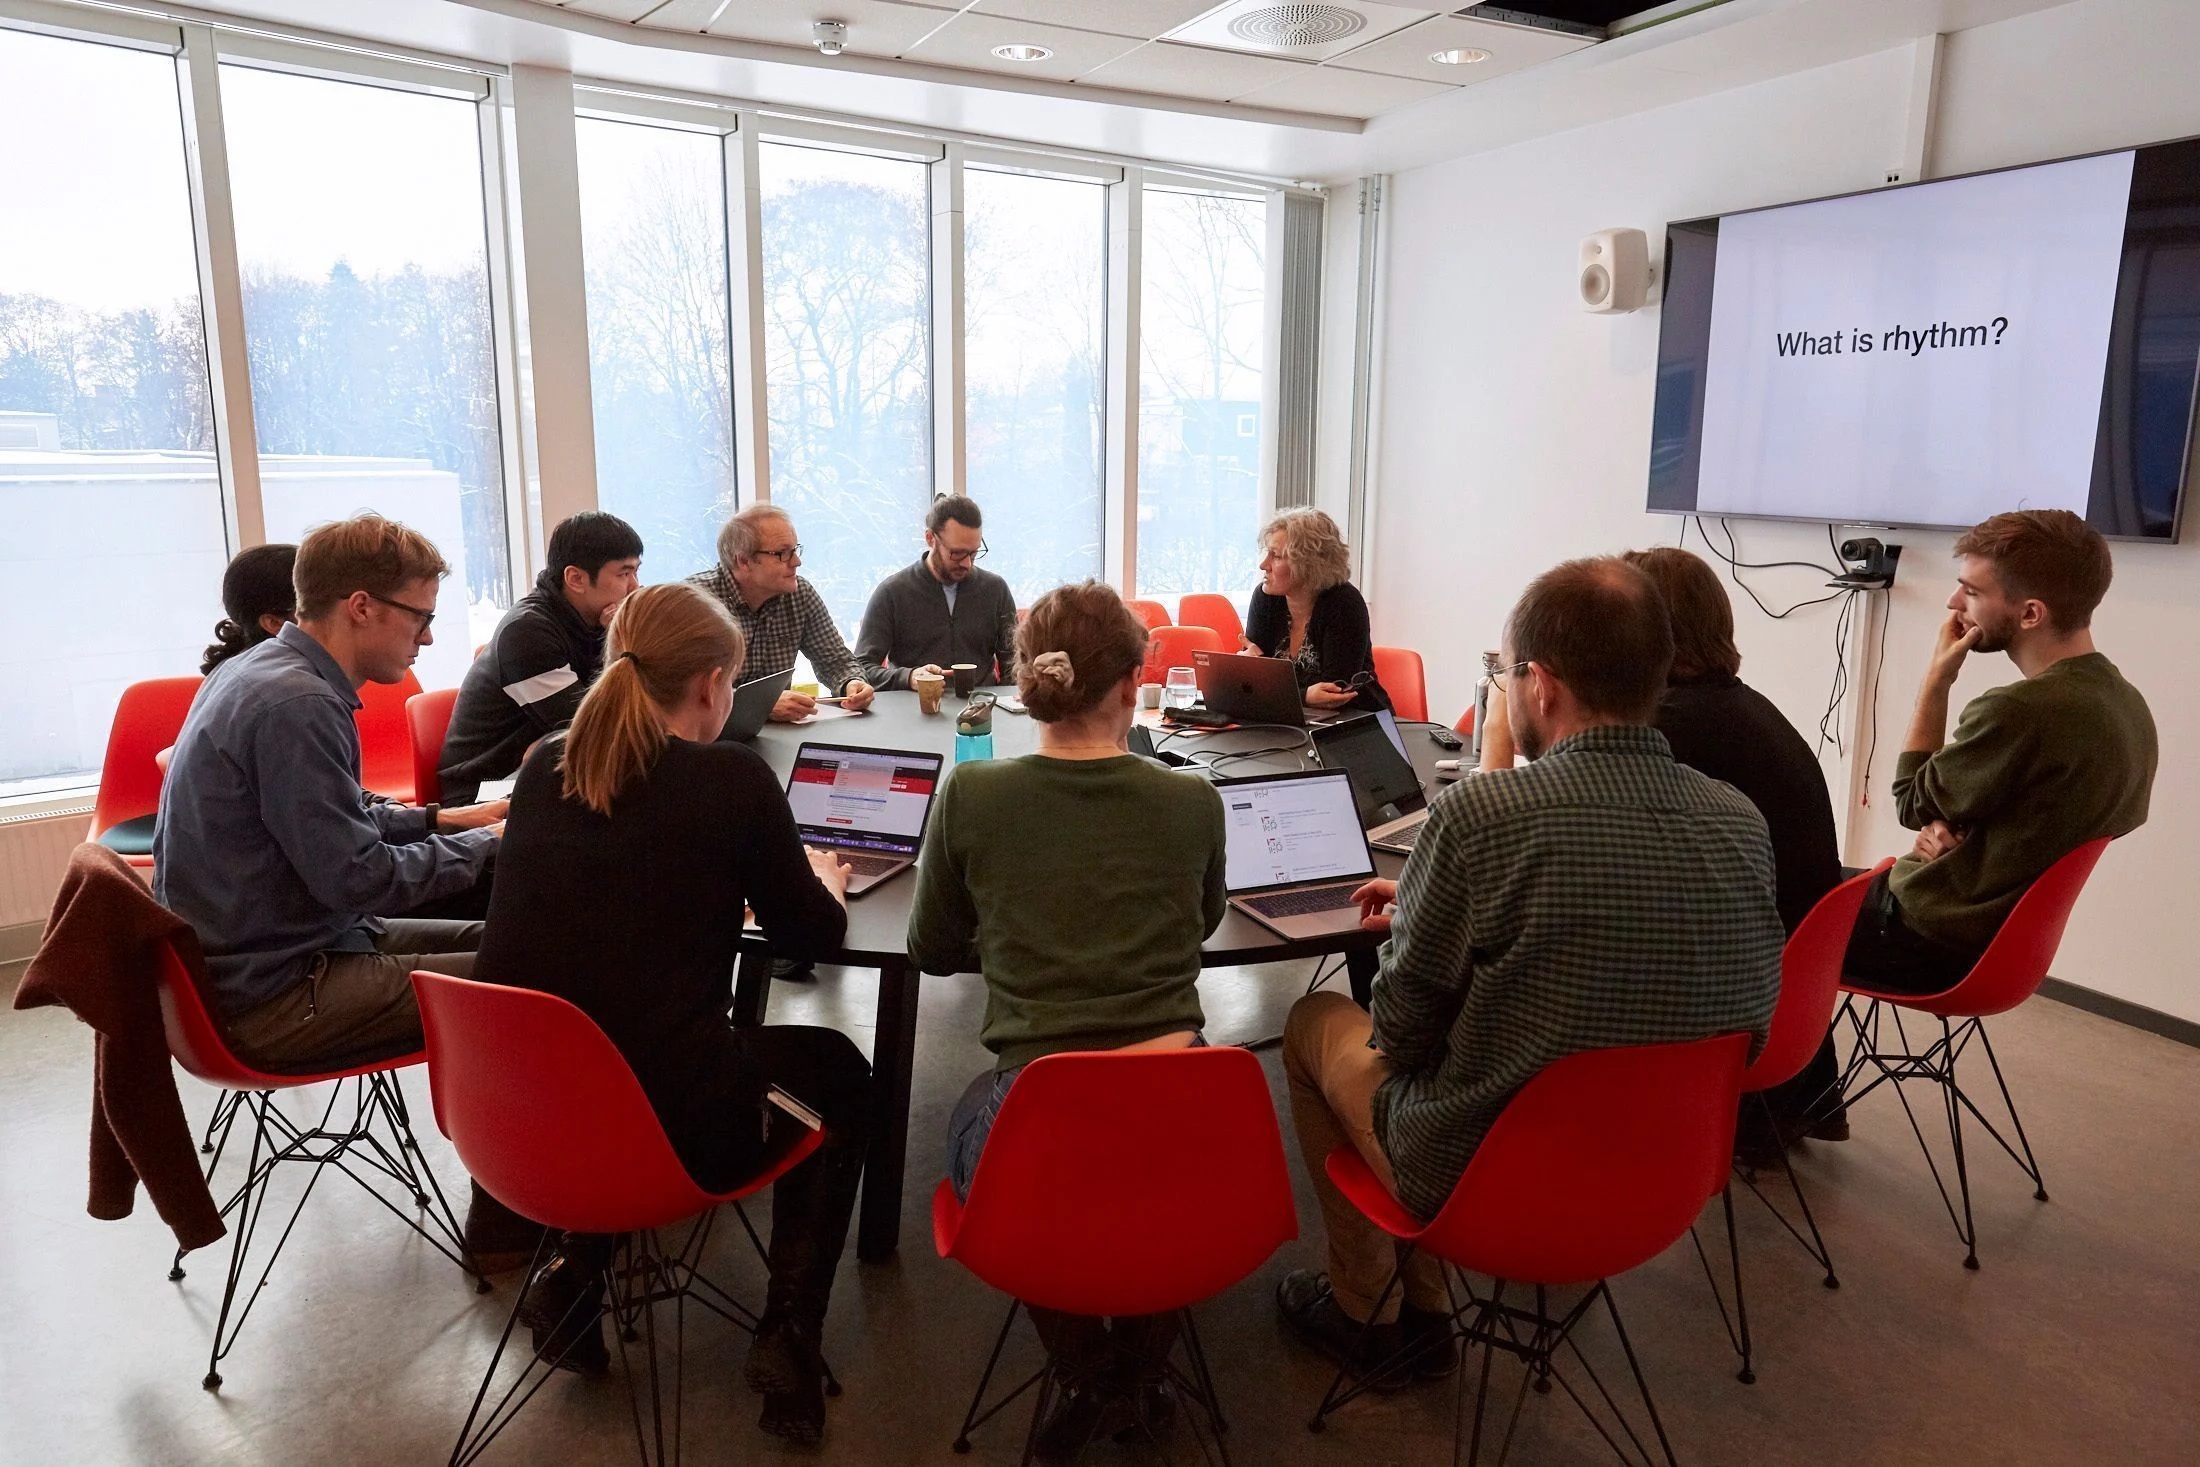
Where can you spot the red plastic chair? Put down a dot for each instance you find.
(1152, 613)
(385, 739)
(427, 721)
(363, 1131)
(1598, 1164)
(2010, 971)
(1399, 670)
(1117, 1184)
(1172, 646)
(147, 720)
(547, 1116)
(1206, 609)
(1810, 988)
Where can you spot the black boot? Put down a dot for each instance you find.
(811, 1206)
(563, 1305)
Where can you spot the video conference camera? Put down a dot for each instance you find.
(1867, 564)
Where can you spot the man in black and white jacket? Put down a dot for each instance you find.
(543, 656)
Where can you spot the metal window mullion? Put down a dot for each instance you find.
(522, 527)
(221, 289)
(1360, 488)
(745, 309)
(950, 445)
(1126, 228)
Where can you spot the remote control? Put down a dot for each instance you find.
(1444, 737)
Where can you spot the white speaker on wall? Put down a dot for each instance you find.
(1614, 272)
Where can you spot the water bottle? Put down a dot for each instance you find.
(974, 729)
(970, 746)
(1490, 661)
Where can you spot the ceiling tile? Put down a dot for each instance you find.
(969, 39)
(875, 28)
(1191, 71)
(1511, 48)
(1144, 19)
(1368, 18)
(621, 10)
(1336, 92)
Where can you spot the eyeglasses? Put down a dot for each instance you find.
(965, 557)
(427, 618)
(1497, 675)
(787, 556)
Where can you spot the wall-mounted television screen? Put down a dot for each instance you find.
(1933, 354)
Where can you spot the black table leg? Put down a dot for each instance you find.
(893, 1056)
(1359, 971)
(752, 987)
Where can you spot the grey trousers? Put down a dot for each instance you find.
(351, 1004)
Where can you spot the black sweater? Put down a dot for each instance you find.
(635, 918)
(1338, 632)
(1722, 727)
(527, 682)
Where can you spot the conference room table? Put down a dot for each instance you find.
(878, 920)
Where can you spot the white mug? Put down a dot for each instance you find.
(1149, 695)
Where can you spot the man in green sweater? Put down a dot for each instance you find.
(2036, 769)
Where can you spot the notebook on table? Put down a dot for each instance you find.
(1368, 750)
(1295, 851)
(866, 806)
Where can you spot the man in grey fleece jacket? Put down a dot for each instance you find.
(942, 610)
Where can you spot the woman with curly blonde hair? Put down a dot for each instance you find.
(1307, 609)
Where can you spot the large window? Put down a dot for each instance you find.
(111, 560)
(1199, 429)
(362, 239)
(653, 231)
(847, 304)
(1035, 328)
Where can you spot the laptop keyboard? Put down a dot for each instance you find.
(862, 865)
(1303, 903)
(1402, 840)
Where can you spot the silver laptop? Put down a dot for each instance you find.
(1295, 852)
(753, 702)
(1250, 689)
(1369, 751)
(866, 806)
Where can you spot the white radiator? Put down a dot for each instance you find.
(33, 854)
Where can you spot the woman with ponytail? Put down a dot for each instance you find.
(257, 598)
(1081, 881)
(633, 842)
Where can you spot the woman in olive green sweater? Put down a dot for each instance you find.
(1080, 881)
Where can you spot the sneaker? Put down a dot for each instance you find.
(1312, 1313)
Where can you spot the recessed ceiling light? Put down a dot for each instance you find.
(1459, 56)
(1021, 52)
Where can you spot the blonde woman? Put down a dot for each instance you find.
(632, 844)
(1308, 610)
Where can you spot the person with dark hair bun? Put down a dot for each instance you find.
(258, 599)
(1081, 881)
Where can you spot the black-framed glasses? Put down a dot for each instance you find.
(426, 618)
(787, 556)
(966, 557)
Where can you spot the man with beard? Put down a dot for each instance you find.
(2037, 767)
(942, 610)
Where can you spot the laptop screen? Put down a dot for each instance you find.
(1381, 775)
(1292, 830)
(868, 799)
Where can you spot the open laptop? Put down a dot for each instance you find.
(866, 806)
(1250, 689)
(753, 702)
(1370, 753)
(1294, 851)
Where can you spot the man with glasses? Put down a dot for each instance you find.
(779, 612)
(942, 610)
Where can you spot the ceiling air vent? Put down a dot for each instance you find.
(1301, 32)
(1297, 25)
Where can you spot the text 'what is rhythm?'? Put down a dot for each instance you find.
(1895, 340)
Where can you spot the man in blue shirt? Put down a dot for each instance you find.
(265, 845)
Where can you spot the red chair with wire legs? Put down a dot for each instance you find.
(1152, 613)
(385, 738)
(1810, 987)
(1168, 647)
(1118, 1185)
(364, 1131)
(1206, 609)
(546, 1114)
(147, 719)
(1599, 1164)
(427, 723)
(1400, 672)
(2006, 974)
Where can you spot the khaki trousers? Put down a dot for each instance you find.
(352, 1004)
(1333, 1077)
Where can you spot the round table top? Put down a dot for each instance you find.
(878, 921)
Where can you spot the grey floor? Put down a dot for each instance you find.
(2078, 1342)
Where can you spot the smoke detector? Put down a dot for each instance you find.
(1309, 32)
(830, 37)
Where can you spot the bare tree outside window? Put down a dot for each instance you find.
(653, 233)
(1200, 329)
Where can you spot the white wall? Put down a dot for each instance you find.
(1514, 428)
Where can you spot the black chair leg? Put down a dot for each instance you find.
(2031, 1162)
(1747, 1375)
